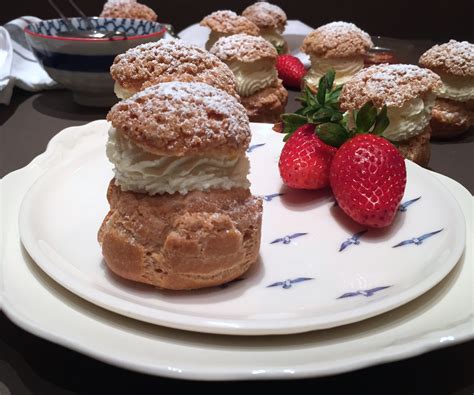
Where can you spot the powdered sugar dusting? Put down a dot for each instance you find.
(244, 48)
(336, 40)
(391, 85)
(170, 60)
(127, 9)
(178, 118)
(453, 57)
(228, 22)
(266, 15)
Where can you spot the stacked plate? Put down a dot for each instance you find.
(317, 271)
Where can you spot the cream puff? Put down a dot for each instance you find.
(227, 23)
(271, 20)
(408, 91)
(181, 213)
(453, 113)
(340, 46)
(127, 9)
(168, 60)
(253, 62)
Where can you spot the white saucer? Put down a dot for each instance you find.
(441, 317)
(317, 268)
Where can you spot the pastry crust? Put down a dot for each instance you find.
(127, 9)
(228, 22)
(266, 105)
(417, 149)
(179, 118)
(451, 118)
(170, 60)
(181, 242)
(243, 48)
(266, 15)
(388, 84)
(337, 40)
(453, 58)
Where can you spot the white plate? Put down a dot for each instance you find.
(300, 284)
(294, 34)
(441, 317)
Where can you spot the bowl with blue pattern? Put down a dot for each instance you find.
(83, 64)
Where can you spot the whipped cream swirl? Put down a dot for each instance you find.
(345, 68)
(139, 171)
(255, 76)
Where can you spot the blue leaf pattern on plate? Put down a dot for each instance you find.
(353, 240)
(287, 239)
(403, 207)
(366, 292)
(417, 240)
(289, 283)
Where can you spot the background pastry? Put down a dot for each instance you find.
(127, 9)
(338, 45)
(181, 213)
(408, 91)
(168, 60)
(271, 20)
(253, 62)
(226, 23)
(453, 112)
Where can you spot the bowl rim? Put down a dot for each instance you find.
(84, 39)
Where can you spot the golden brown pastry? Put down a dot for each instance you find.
(168, 60)
(127, 9)
(181, 213)
(340, 46)
(271, 20)
(453, 113)
(408, 91)
(226, 23)
(253, 62)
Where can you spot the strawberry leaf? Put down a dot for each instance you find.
(366, 117)
(292, 122)
(332, 134)
(321, 95)
(329, 79)
(381, 121)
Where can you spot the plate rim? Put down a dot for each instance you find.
(225, 326)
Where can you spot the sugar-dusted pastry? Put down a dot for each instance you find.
(181, 213)
(453, 112)
(226, 23)
(168, 60)
(127, 9)
(408, 91)
(271, 20)
(252, 60)
(340, 46)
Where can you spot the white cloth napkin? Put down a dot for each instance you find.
(18, 66)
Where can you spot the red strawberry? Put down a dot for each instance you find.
(305, 160)
(291, 70)
(368, 178)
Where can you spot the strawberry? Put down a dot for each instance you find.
(368, 178)
(291, 70)
(305, 160)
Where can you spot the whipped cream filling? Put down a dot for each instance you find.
(139, 171)
(213, 37)
(121, 92)
(254, 76)
(274, 36)
(407, 121)
(344, 68)
(457, 88)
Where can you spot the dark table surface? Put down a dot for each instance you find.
(29, 364)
